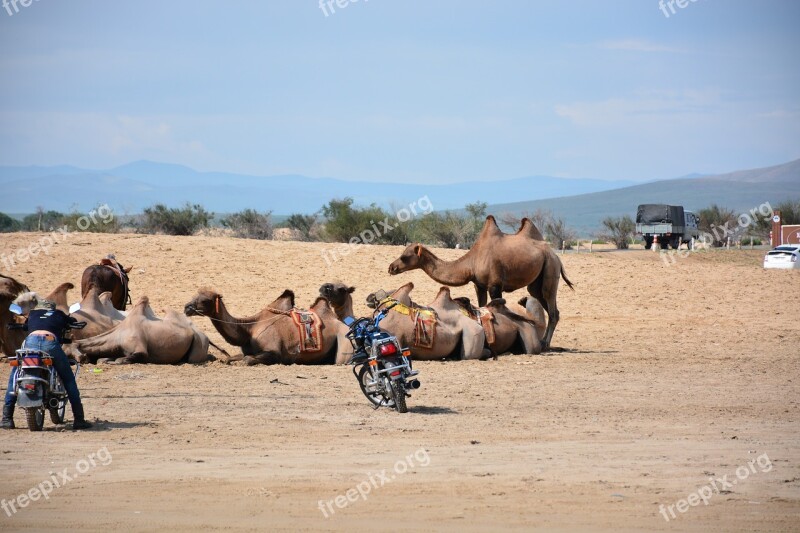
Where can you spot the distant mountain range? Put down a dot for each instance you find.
(583, 203)
(131, 188)
(741, 191)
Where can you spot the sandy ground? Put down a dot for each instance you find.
(672, 377)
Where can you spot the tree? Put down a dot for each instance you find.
(344, 223)
(620, 230)
(8, 224)
(476, 213)
(559, 234)
(43, 220)
(175, 221)
(306, 225)
(717, 224)
(250, 224)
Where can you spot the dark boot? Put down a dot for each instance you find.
(8, 417)
(79, 422)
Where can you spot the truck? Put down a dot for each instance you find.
(670, 224)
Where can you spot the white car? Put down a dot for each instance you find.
(784, 256)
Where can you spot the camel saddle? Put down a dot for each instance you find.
(486, 319)
(114, 265)
(309, 328)
(424, 320)
(482, 316)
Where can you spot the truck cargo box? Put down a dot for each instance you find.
(660, 214)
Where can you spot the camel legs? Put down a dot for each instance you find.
(480, 292)
(545, 289)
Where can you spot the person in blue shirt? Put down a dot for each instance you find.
(47, 325)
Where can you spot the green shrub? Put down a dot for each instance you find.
(175, 221)
(8, 224)
(250, 224)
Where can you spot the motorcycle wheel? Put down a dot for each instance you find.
(35, 417)
(376, 398)
(399, 393)
(57, 413)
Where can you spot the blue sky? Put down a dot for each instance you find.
(390, 90)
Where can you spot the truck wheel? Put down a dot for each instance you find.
(675, 242)
(648, 243)
(665, 245)
(689, 244)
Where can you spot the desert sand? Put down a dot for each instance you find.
(670, 377)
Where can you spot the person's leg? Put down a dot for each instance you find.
(61, 364)
(9, 403)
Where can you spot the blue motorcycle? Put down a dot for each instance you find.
(381, 366)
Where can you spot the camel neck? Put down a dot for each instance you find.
(452, 273)
(231, 328)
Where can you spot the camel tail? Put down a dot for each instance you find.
(566, 279)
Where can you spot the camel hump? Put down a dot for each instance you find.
(529, 229)
(490, 229)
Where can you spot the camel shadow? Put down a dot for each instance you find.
(556, 351)
(432, 410)
(105, 425)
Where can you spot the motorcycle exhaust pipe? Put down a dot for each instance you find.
(414, 384)
(53, 403)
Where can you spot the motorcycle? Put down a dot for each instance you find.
(37, 385)
(381, 366)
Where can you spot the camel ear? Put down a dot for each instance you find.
(418, 250)
(351, 290)
(127, 270)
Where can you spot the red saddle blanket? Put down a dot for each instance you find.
(309, 329)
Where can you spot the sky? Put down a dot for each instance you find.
(437, 91)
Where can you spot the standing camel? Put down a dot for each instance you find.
(109, 276)
(272, 335)
(497, 263)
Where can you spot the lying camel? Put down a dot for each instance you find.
(497, 263)
(10, 290)
(144, 338)
(109, 276)
(272, 336)
(456, 335)
(506, 331)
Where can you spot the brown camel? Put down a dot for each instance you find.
(506, 331)
(10, 340)
(109, 276)
(144, 338)
(456, 335)
(271, 336)
(497, 263)
(340, 297)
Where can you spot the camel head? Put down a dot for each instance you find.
(206, 302)
(410, 259)
(336, 293)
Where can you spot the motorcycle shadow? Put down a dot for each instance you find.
(432, 410)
